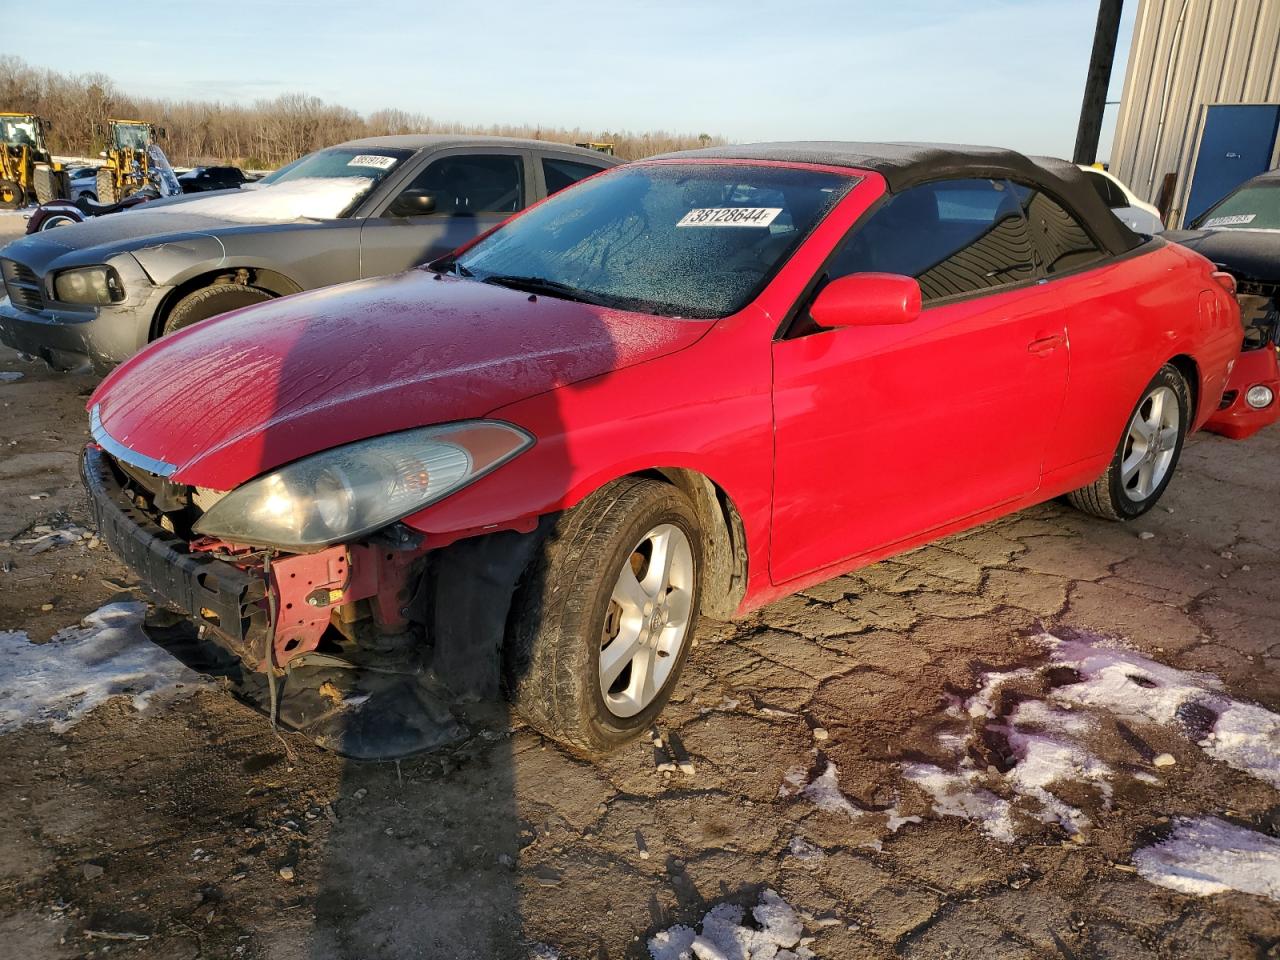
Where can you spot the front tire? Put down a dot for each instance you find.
(602, 626)
(1148, 453)
(212, 301)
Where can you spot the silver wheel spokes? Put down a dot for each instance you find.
(1150, 444)
(647, 621)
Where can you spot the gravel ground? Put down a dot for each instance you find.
(796, 756)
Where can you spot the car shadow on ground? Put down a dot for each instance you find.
(422, 856)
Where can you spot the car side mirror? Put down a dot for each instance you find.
(867, 299)
(414, 203)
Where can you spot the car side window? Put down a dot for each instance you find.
(955, 237)
(564, 173)
(1111, 195)
(1062, 243)
(463, 185)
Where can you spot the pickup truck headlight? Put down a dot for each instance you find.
(98, 285)
(350, 491)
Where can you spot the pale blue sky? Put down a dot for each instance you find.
(1006, 72)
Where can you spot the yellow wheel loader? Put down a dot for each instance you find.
(128, 165)
(27, 169)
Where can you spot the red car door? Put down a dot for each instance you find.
(884, 433)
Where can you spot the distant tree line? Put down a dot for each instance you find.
(267, 134)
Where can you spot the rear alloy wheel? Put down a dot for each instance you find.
(210, 302)
(601, 629)
(12, 196)
(1144, 462)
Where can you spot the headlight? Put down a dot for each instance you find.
(1259, 396)
(350, 491)
(88, 285)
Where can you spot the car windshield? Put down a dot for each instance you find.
(1252, 207)
(326, 185)
(685, 240)
(339, 163)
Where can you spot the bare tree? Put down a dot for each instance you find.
(267, 134)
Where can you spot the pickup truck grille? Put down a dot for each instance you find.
(22, 285)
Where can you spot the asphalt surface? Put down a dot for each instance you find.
(189, 829)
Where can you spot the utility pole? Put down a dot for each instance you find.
(1099, 78)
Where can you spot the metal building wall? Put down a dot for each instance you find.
(1186, 54)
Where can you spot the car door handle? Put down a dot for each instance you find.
(1045, 345)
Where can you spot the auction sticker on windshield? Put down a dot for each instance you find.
(372, 160)
(1239, 220)
(729, 217)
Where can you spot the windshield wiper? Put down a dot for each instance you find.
(552, 288)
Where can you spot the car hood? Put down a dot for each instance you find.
(99, 239)
(233, 397)
(1249, 254)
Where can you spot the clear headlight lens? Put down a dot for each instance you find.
(88, 285)
(350, 491)
(1259, 396)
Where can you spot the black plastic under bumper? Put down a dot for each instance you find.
(212, 592)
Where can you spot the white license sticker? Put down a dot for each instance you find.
(1239, 220)
(730, 217)
(372, 160)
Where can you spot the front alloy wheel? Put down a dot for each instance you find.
(648, 620)
(602, 625)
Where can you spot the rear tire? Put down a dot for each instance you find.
(636, 540)
(1147, 455)
(12, 196)
(210, 302)
(105, 182)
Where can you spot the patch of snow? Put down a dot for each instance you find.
(1208, 856)
(982, 703)
(9, 376)
(1247, 737)
(793, 781)
(1043, 761)
(955, 795)
(774, 935)
(1132, 687)
(803, 850)
(895, 821)
(83, 667)
(824, 793)
(307, 198)
(1127, 684)
(1048, 738)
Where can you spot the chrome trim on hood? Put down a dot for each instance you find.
(123, 453)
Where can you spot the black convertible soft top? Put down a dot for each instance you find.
(904, 165)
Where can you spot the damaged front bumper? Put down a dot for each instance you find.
(75, 338)
(267, 610)
(372, 645)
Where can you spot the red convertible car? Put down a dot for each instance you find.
(692, 384)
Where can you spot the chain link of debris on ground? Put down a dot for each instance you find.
(1049, 737)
